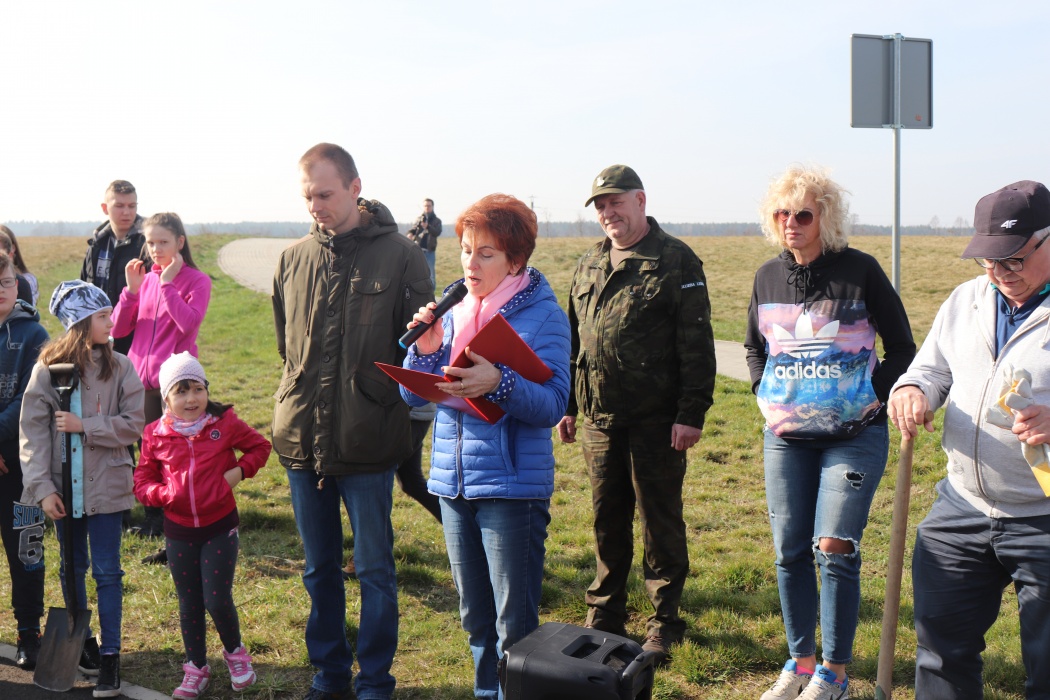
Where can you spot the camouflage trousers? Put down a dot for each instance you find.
(628, 467)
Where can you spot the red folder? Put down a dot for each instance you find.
(497, 342)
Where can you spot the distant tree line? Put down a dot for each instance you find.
(547, 229)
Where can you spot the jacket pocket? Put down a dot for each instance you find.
(288, 383)
(379, 390)
(369, 304)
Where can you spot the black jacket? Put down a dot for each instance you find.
(133, 246)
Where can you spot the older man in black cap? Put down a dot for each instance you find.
(643, 361)
(985, 361)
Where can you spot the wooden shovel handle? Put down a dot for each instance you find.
(895, 569)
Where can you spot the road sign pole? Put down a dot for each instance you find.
(896, 255)
(892, 80)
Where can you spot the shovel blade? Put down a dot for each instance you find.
(60, 649)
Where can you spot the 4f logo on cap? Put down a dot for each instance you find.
(599, 181)
(1009, 223)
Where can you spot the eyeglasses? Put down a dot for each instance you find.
(1009, 264)
(804, 217)
(8, 282)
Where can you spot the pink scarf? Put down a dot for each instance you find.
(173, 424)
(472, 313)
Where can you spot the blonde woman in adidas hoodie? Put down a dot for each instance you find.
(812, 324)
(990, 524)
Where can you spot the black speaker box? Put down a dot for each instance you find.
(565, 662)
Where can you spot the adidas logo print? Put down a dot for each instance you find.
(803, 344)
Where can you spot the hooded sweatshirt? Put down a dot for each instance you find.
(22, 337)
(811, 344)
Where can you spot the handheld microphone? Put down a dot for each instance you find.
(454, 296)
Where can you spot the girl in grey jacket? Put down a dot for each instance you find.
(105, 416)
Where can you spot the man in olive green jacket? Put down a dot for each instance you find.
(341, 300)
(643, 365)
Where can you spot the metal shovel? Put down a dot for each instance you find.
(67, 629)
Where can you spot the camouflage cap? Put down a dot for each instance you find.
(614, 180)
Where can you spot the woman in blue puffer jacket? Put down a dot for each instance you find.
(495, 480)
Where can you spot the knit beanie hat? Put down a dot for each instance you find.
(179, 367)
(75, 300)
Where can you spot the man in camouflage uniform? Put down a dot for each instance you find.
(643, 365)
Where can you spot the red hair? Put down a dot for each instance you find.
(508, 220)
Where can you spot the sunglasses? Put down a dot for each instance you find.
(804, 217)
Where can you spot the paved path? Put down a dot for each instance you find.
(16, 684)
(252, 261)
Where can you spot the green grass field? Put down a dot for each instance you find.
(735, 644)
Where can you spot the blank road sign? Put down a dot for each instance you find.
(872, 87)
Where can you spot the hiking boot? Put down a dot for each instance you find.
(28, 649)
(315, 694)
(89, 659)
(108, 685)
(824, 687)
(194, 681)
(659, 649)
(790, 684)
(239, 662)
(350, 570)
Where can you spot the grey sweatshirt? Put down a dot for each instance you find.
(956, 367)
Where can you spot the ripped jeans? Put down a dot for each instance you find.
(815, 489)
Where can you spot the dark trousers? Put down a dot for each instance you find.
(153, 407)
(628, 467)
(962, 563)
(22, 531)
(203, 576)
(410, 472)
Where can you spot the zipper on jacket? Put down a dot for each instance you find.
(459, 455)
(149, 352)
(192, 474)
(996, 369)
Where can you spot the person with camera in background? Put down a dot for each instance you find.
(425, 233)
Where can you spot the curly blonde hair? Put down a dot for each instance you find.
(789, 191)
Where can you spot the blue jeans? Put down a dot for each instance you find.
(816, 489)
(496, 549)
(103, 532)
(962, 562)
(432, 261)
(368, 498)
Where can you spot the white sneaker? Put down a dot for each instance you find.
(824, 687)
(790, 684)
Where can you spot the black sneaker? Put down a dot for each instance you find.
(89, 658)
(108, 677)
(28, 649)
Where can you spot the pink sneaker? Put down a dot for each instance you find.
(239, 661)
(194, 682)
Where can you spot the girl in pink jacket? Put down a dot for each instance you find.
(164, 307)
(189, 467)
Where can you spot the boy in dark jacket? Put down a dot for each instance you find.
(114, 244)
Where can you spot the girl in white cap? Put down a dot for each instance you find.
(105, 416)
(189, 467)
